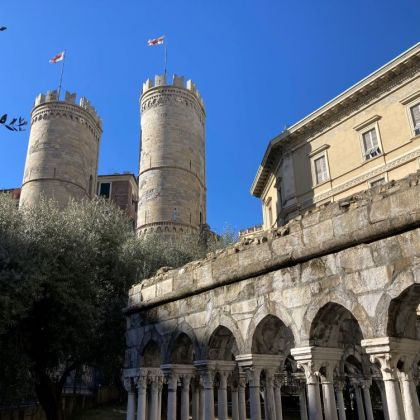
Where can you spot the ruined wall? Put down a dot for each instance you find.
(360, 253)
(62, 157)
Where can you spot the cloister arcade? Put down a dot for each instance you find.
(342, 373)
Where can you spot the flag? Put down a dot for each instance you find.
(156, 41)
(57, 58)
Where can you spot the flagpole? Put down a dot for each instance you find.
(61, 76)
(166, 54)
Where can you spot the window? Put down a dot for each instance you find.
(321, 173)
(319, 165)
(105, 189)
(270, 216)
(415, 116)
(371, 147)
(174, 215)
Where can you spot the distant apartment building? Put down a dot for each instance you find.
(368, 135)
(122, 189)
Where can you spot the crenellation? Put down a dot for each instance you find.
(70, 97)
(160, 80)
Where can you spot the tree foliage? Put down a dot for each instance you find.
(64, 277)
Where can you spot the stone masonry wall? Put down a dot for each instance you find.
(361, 253)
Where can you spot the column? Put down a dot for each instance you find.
(254, 392)
(381, 387)
(131, 399)
(202, 400)
(359, 402)
(409, 394)
(367, 399)
(222, 403)
(235, 401)
(154, 398)
(387, 351)
(327, 384)
(242, 396)
(339, 386)
(302, 404)
(195, 392)
(159, 404)
(312, 387)
(172, 381)
(142, 398)
(207, 376)
(269, 396)
(185, 397)
(278, 381)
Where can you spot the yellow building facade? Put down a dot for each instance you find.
(368, 135)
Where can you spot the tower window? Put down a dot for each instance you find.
(105, 189)
(174, 215)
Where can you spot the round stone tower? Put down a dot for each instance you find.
(62, 158)
(172, 178)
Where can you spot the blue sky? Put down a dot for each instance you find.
(259, 65)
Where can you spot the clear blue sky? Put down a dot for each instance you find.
(259, 65)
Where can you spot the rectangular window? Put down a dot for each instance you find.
(415, 115)
(321, 172)
(371, 144)
(105, 189)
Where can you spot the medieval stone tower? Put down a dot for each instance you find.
(62, 158)
(172, 178)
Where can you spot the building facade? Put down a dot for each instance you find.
(172, 177)
(315, 315)
(62, 157)
(122, 189)
(369, 134)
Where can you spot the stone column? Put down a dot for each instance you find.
(131, 398)
(269, 396)
(172, 381)
(235, 401)
(388, 351)
(409, 394)
(339, 386)
(367, 400)
(327, 384)
(142, 397)
(254, 392)
(206, 370)
(381, 387)
(185, 397)
(277, 396)
(195, 391)
(359, 402)
(202, 408)
(155, 385)
(242, 396)
(311, 360)
(222, 403)
(302, 404)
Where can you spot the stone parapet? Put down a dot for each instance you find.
(379, 212)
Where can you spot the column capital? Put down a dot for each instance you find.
(130, 384)
(142, 383)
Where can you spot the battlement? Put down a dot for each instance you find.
(69, 98)
(177, 81)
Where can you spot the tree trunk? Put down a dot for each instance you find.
(49, 396)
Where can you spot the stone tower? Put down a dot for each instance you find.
(62, 158)
(172, 178)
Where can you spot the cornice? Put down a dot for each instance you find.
(403, 68)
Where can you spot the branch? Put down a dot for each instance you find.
(16, 124)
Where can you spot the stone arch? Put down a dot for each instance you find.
(183, 337)
(150, 338)
(272, 336)
(335, 326)
(222, 320)
(221, 345)
(275, 310)
(402, 314)
(345, 300)
(151, 355)
(402, 282)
